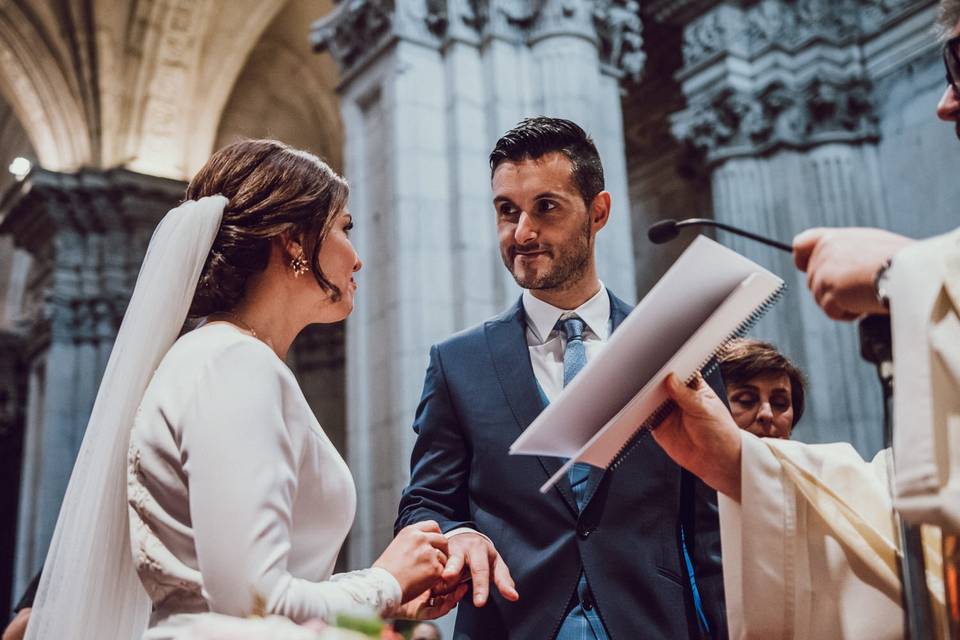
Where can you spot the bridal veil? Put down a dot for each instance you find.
(90, 589)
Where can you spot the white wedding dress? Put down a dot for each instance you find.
(238, 501)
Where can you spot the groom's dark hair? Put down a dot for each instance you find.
(533, 138)
(273, 190)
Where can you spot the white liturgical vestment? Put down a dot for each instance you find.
(809, 552)
(924, 289)
(238, 501)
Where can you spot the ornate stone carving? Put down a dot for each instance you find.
(620, 30)
(87, 233)
(452, 19)
(520, 13)
(875, 14)
(787, 25)
(756, 104)
(357, 28)
(735, 123)
(436, 18)
(477, 14)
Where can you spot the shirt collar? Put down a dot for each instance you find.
(542, 316)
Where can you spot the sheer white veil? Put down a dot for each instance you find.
(90, 589)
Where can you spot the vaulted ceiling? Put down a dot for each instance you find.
(136, 83)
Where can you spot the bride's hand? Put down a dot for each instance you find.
(428, 606)
(416, 558)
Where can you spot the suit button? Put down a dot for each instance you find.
(587, 601)
(583, 533)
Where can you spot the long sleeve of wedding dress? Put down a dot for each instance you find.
(239, 503)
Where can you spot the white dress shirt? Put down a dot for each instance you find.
(547, 343)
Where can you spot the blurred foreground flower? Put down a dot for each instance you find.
(214, 626)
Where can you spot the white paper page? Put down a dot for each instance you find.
(697, 283)
(603, 447)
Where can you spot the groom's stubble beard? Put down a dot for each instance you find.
(570, 262)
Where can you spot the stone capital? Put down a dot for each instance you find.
(739, 123)
(748, 30)
(766, 74)
(87, 233)
(620, 32)
(359, 30)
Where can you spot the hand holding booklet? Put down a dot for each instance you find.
(709, 296)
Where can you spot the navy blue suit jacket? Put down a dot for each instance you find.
(480, 393)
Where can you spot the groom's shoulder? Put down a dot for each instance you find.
(476, 335)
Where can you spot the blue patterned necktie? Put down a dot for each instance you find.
(582, 622)
(575, 354)
(574, 359)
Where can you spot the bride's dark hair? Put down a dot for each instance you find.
(272, 189)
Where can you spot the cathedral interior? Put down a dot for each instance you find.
(774, 115)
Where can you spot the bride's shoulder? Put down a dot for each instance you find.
(221, 345)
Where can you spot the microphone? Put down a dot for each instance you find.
(667, 230)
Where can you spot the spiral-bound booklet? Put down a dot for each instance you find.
(709, 296)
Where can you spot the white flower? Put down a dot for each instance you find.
(214, 626)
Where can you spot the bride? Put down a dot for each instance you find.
(204, 482)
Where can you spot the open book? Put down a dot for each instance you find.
(709, 296)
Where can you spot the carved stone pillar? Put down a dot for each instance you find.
(428, 86)
(781, 113)
(87, 233)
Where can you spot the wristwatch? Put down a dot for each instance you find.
(879, 284)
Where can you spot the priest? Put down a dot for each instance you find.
(809, 542)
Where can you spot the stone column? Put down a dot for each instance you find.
(86, 233)
(427, 88)
(781, 114)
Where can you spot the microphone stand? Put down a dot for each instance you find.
(876, 346)
(707, 222)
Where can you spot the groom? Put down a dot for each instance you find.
(620, 554)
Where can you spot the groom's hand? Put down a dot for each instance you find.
(474, 552)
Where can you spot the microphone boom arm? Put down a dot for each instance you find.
(740, 232)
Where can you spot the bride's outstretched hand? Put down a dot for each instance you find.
(416, 558)
(428, 605)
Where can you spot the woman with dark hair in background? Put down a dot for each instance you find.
(765, 390)
(204, 482)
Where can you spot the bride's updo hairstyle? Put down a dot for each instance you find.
(272, 189)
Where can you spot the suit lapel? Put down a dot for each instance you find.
(511, 360)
